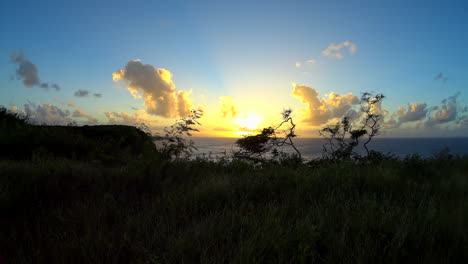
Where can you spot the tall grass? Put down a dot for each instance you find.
(106, 196)
(63, 211)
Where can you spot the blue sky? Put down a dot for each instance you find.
(246, 50)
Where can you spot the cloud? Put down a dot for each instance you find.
(227, 107)
(56, 86)
(80, 113)
(124, 118)
(155, 85)
(67, 103)
(335, 51)
(441, 77)
(86, 93)
(322, 110)
(446, 112)
(47, 114)
(82, 93)
(463, 121)
(46, 86)
(28, 71)
(184, 104)
(50, 114)
(415, 112)
(298, 64)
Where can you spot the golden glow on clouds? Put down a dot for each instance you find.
(155, 85)
(322, 110)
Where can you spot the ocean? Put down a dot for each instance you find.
(312, 147)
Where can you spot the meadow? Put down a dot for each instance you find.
(116, 199)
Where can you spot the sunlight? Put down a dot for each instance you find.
(248, 121)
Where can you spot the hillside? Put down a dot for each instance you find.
(102, 194)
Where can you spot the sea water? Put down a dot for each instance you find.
(311, 148)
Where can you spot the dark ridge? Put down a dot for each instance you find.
(104, 143)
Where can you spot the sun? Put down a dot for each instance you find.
(248, 122)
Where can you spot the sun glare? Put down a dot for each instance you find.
(248, 121)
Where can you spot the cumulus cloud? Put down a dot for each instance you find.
(79, 113)
(441, 77)
(415, 112)
(81, 93)
(336, 51)
(155, 85)
(47, 114)
(322, 110)
(50, 114)
(124, 118)
(28, 72)
(446, 112)
(228, 108)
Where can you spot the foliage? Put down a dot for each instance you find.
(257, 147)
(173, 143)
(59, 206)
(9, 119)
(110, 144)
(343, 137)
(161, 211)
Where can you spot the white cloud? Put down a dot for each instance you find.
(124, 118)
(415, 112)
(47, 114)
(445, 113)
(336, 51)
(323, 110)
(155, 85)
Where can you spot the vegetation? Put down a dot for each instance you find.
(343, 138)
(109, 145)
(136, 205)
(173, 144)
(262, 148)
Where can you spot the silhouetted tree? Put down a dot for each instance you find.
(173, 143)
(343, 137)
(257, 147)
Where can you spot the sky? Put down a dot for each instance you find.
(241, 62)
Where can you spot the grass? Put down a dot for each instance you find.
(131, 205)
(64, 211)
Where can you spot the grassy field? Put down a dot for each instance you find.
(156, 211)
(109, 197)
